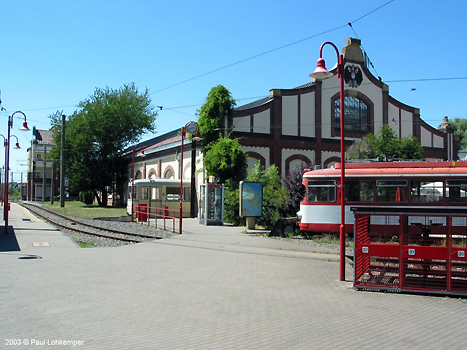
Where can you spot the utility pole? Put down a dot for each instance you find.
(62, 164)
(52, 183)
(44, 164)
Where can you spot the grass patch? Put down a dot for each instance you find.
(331, 239)
(81, 210)
(85, 244)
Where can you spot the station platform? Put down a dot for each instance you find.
(25, 232)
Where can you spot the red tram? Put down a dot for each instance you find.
(408, 184)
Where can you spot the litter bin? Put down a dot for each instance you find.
(142, 212)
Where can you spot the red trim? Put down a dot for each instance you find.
(332, 228)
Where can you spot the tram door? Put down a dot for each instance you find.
(155, 200)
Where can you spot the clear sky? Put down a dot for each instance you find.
(56, 52)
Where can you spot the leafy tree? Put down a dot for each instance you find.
(231, 205)
(223, 156)
(226, 160)
(359, 149)
(274, 194)
(219, 105)
(460, 129)
(294, 189)
(98, 132)
(386, 144)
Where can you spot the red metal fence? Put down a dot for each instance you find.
(164, 218)
(411, 252)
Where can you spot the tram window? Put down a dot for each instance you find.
(172, 193)
(144, 193)
(321, 191)
(456, 191)
(426, 191)
(156, 193)
(359, 191)
(391, 191)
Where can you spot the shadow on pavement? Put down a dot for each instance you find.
(8, 241)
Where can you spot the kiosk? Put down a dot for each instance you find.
(211, 204)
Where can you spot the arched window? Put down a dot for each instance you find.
(356, 115)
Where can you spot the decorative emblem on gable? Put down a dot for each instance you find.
(353, 76)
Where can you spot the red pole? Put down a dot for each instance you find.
(133, 183)
(7, 166)
(340, 73)
(181, 181)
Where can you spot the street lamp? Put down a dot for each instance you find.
(7, 161)
(322, 73)
(5, 144)
(191, 128)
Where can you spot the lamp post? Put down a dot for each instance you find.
(133, 156)
(321, 73)
(5, 144)
(7, 162)
(191, 128)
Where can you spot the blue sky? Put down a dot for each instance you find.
(55, 53)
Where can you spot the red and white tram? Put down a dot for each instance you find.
(382, 184)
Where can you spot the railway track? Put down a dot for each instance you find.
(85, 228)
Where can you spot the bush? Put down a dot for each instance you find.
(87, 197)
(274, 194)
(231, 204)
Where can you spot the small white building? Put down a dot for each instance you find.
(40, 171)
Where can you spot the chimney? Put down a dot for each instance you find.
(352, 50)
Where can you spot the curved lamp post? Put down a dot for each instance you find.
(7, 161)
(322, 73)
(190, 128)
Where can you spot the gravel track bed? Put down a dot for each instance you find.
(129, 227)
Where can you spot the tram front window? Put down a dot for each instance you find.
(321, 191)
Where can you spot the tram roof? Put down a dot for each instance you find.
(410, 168)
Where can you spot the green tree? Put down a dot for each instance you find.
(274, 194)
(386, 144)
(211, 116)
(226, 160)
(98, 132)
(231, 205)
(223, 157)
(460, 129)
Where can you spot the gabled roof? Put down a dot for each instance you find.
(155, 142)
(43, 137)
(254, 104)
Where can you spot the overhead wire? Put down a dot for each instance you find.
(270, 51)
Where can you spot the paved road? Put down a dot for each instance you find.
(210, 288)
